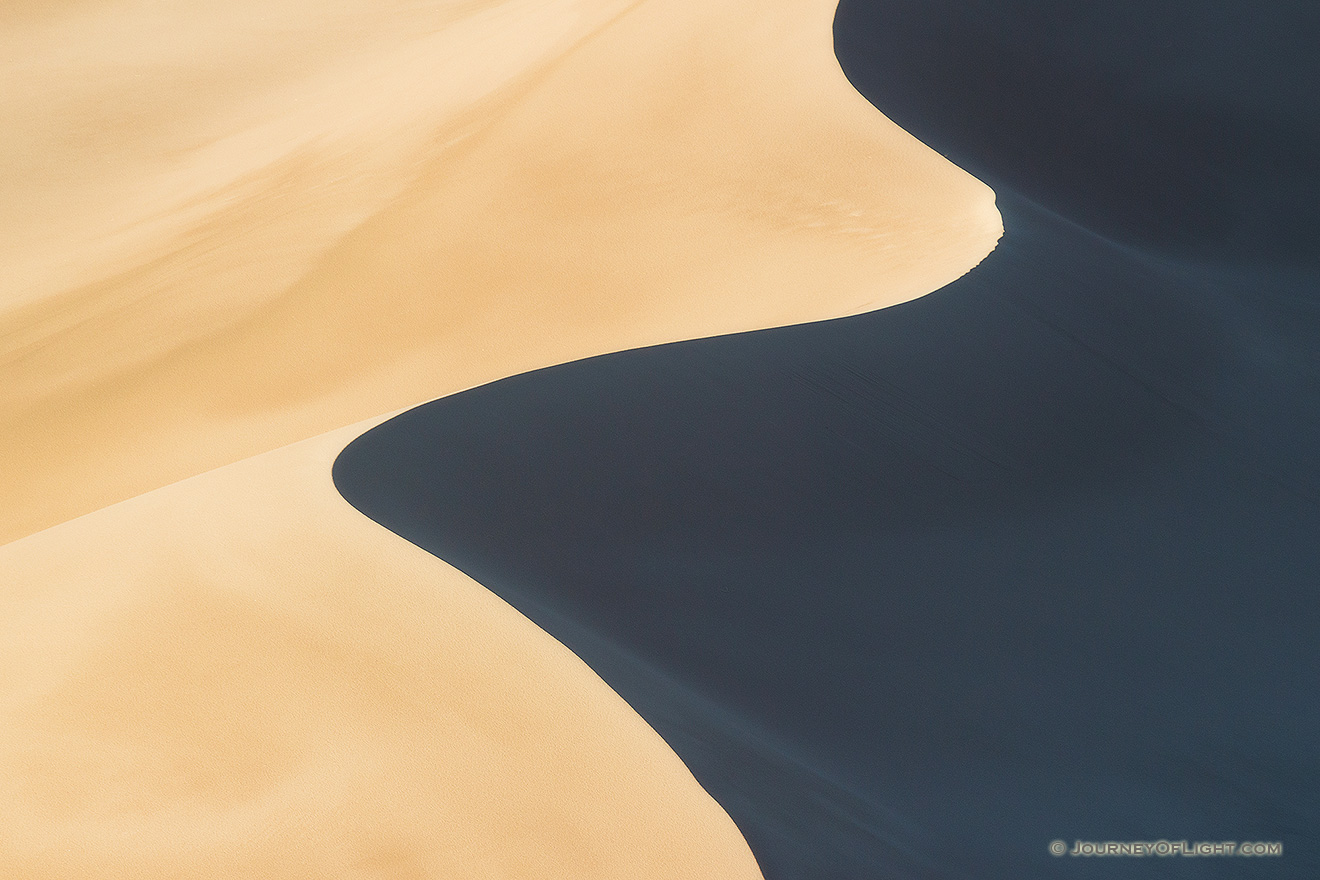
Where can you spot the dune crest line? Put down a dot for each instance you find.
(1031, 559)
(564, 182)
(211, 664)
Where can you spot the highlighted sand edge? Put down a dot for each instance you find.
(237, 673)
(240, 675)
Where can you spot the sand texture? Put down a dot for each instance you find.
(232, 227)
(276, 223)
(239, 675)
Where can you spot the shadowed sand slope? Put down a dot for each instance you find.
(240, 676)
(1031, 558)
(1179, 126)
(232, 227)
(282, 220)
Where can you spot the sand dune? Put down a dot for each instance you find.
(232, 228)
(272, 226)
(241, 676)
(1032, 558)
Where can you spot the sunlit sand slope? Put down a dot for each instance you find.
(241, 676)
(230, 227)
(234, 225)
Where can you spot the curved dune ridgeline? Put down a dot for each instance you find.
(235, 235)
(277, 222)
(1032, 558)
(239, 676)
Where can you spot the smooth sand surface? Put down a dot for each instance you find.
(231, 228)
(239, 675)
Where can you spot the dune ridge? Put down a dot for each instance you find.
(1031, 558)
(237, 675)
(573, 179)
(280, 222)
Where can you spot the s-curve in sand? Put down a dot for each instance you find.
(234, 225)
(228, 227)
(239, 675)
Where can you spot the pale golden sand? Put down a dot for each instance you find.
(240, 676)
(230, 230)
(229, 226)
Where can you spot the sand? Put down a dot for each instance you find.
(240, 676)
(285, 218)
(231, 228)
